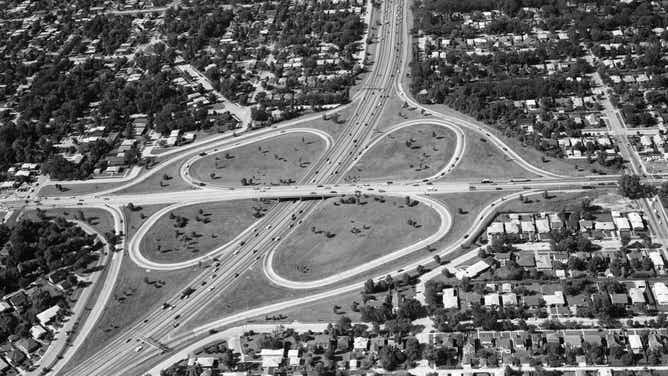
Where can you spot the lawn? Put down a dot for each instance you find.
(208, 226)
(339, 236)
(395, 112)
(414, 152)
(484, 160)
(558, 201)
(251, 290)
(77, 189)
(97, 218)
(167, 179)
(278, 160)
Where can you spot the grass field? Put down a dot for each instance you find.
(167, 179)
(484, 160)
(338, 236)
(273, 161)
(409, 153)
(395, 112)
(557, 201)
(251, 289)
(209, 225)
(77, 189)
(97, 218)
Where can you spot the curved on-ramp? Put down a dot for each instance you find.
(134, 245)
(445, 225)
(484, 215)
(185, 167)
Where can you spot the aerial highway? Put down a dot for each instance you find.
(119, 356)
(140, 346)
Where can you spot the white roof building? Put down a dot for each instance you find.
(47, 315)
(660, 291)
(635, 343)
(494, 228)
(622, 223)
(636, 220)
(450, 299)
(604, 225)
(554, 299)
(491, 300)
(528, 226)
(657, 260)
(509, 299)
(511, 228)
(271, 358)
(636, 295)
(206, 362)
(293, 357)
(360, 343)
(37, 331)
(543, 226)
(476, 269)
(4, 306)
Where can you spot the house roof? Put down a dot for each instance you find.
(27, 345)
(619, 299)
(526, 260)
(48, 314)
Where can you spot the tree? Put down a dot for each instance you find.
(413, 349)
(391, 357)
(369, 286)
(631, 187)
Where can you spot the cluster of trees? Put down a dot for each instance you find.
(63, 91)
(630, 186)
(189, 29)
(441, 17)
(36, 248)
(111, 30)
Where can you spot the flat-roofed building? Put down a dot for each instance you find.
(450, 298)
(660, 291)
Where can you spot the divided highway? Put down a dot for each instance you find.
(260, 241)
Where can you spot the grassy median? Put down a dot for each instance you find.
(279, 160)
(192, 231)
(414, 152)
(339, 236)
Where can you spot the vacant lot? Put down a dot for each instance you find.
(415, 152)
(192, 231)
(339, 236)
(280, 160)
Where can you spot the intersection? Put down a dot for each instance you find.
(323, 179)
